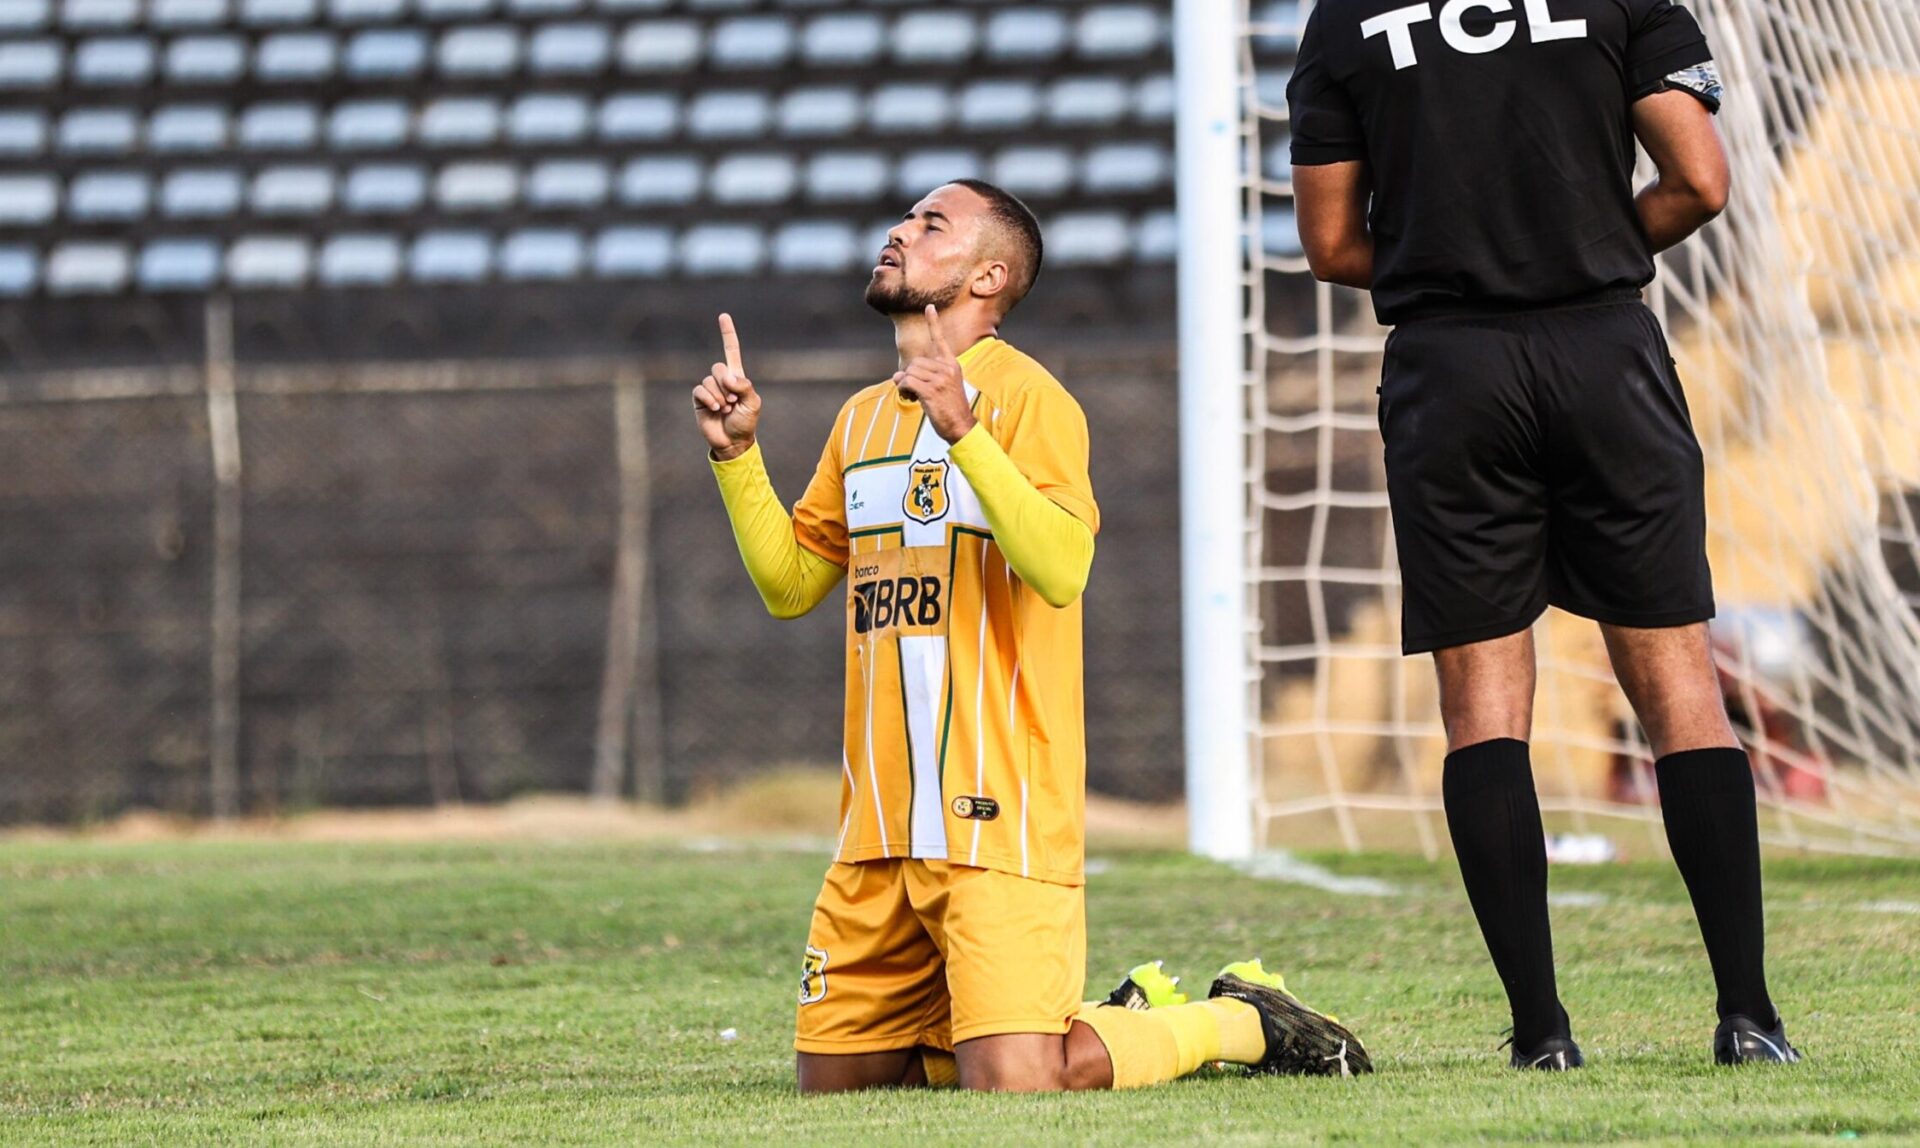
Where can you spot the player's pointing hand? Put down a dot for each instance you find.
(934, 381)
(725, 404)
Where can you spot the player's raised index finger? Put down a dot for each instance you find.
(731, 341)
(939, 340)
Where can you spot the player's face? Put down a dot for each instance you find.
(929, 255)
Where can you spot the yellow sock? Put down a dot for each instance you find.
(1152, 1045)
(1242, 1039)
(942, 1070)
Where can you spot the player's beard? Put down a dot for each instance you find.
(904, 299)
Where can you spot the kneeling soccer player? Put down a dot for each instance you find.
(954, 498)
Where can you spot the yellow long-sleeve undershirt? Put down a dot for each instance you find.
(791, 579)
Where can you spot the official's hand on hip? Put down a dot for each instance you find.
(725, 404)
(934, 381)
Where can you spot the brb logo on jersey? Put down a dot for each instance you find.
(926, 499)
(903, 601)
(1397, 26)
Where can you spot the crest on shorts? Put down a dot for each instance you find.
(976, 808)
(927, 491)
(813, 975)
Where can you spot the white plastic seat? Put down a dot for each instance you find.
(1037, 171)
(279, 12)
(463, 121)
(479, 186)
(1280, 233)
(98, 131)
(22, 133)
(1026, 34)
(542, 253)
(450, 256)
(188, 128)
(206, 59)
(17, 16)
(922, 171)
(718, 5)
(548, 119)
(19, 270)
(998, 104)
(454, 11)
(295, 56)
(386, 54)
(1088, 238)
(30, 63)
(292, 191)
(754, 177)
(1087, 100)
(1156, 238)
(819, 112)
(728, 115)
(360, 259)
(171, 14)
(639, 116)
(1279, 23)
(843, 39)
(278, 127)
(88, 268)
(660, 46)
(269, 261)
(722, 249)
(908, 108)
(627, 7)
(369, 125)
(1276, 158)
(543, 7)
(623, 252)
(934, 37)
(178, 265)
(92, 15)
(28, 199)
(846, 177)
(660, 179)
(569, 49)
(1119, 33)
(814, 247)
(1154, 99)
(487, 50)
(752, 42)
(568, 184)
(365, 11)
(385, 189)
(207, 193)
(116, 61)
(108, 195)
(1124, 168)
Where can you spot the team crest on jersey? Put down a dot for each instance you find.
(813, 975)
(927, 491)
(976, 808)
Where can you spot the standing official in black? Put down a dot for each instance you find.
(1470, 162)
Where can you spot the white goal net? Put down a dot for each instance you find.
(1795, 320)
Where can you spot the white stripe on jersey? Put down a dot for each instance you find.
(923, 664)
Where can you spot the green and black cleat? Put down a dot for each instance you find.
(1147, 986)
(1740, 1040)
(1300, 1041)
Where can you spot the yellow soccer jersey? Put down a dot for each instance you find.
(965, 735)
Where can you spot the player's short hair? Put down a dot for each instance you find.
(1018, 234)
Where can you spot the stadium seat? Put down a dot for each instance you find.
(728, 114)
(276, 12)
(754, 177)
(548, 119)
(908, 108)
(205, 59)
(1280, 233)
(846, 177)
(98, 130)
(660, 46)
(751, 42)
(360, 259)
(19, 270)
(476, 186)
(722, 249)
(1154, 99)
(369, 125)
(814, 246)
(385, 189)
(543, 7)
(292, 191)
(187, 128)
(1156, 238)
(639, 116)
(87, 268)
(22, 133)
(842, 39)
(386, 54)
(178, 265)
(268, 261)
(1036, 171)
(626, 7)
(1270, 89)
(1117, 33)
(488, 50)
(294, 56)
(450, 11)
(660, 179)
(1088, 238)
(568, 184)
(1276, 27)
(1124, 168)
(998, 105)
(19, 16)
(118, 61)
(1026, 34)
(1276, 158)
(620, 252)
(365, 11)
(30, 63)
(569, 49)
(922, 171)
(95, 196)
(544, 253)
(278, 127)
(92, 15)
(200, 194)
(464, 121)
(450, 256)
(1086, 101)
(819, 111)
(173, 14)
(28, 199)
(933, 38)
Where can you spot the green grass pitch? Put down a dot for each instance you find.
(575, 993)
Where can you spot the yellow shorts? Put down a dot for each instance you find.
(906, 952)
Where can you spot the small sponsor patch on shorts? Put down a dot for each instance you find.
(976, 808)
(813, 975)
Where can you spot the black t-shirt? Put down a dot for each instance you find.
(1499, 137)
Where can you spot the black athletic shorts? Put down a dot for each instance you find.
(1541, 458)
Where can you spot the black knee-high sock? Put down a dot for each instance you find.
(1706, 796)
(1494, 818)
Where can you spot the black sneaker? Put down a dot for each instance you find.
(1147, 986)
(1300, 1041)
(1739, 1040)
(1554, 1054)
